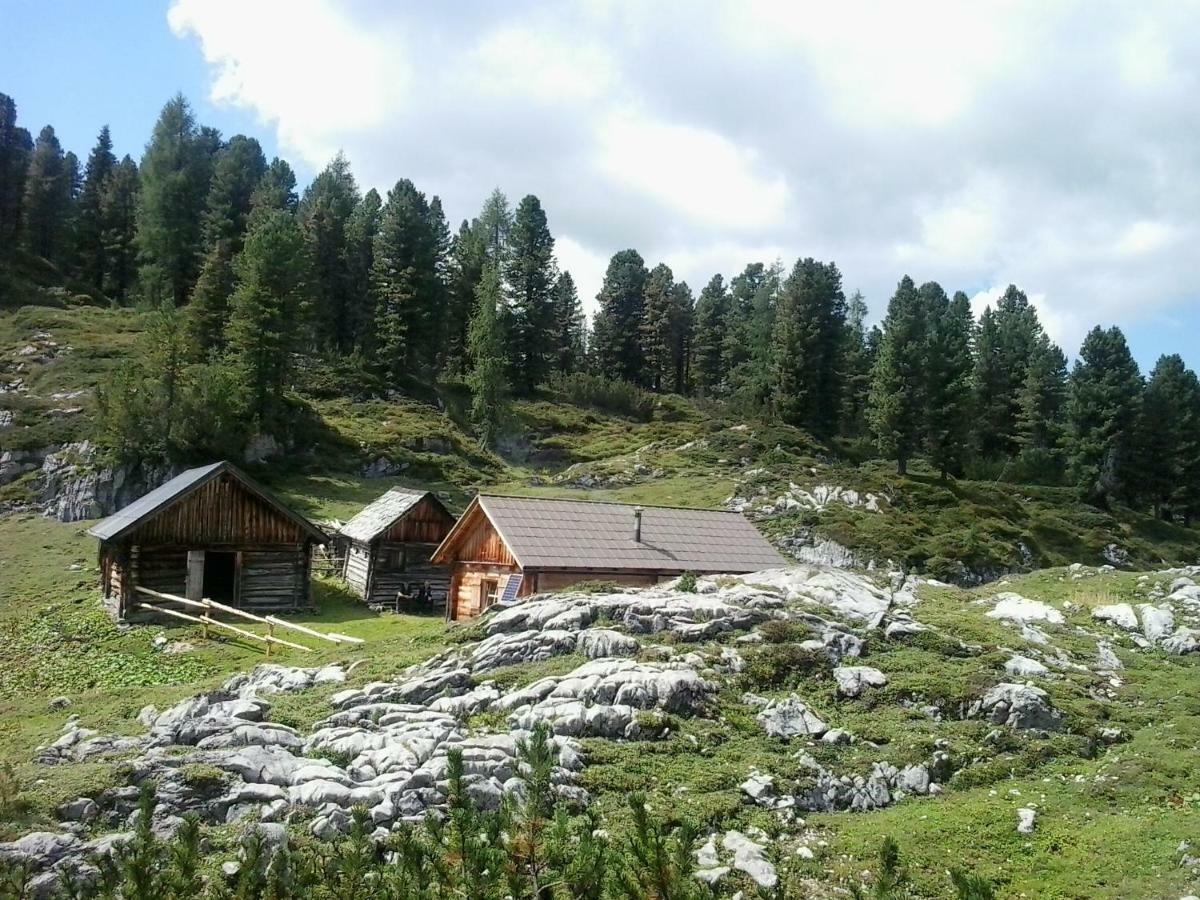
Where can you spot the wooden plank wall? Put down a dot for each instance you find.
(465, 604)
(222, 511)
(426, 523)
(358, 564)
(386, 581)
(274, 579)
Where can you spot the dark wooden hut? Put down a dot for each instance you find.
(387, 547)
(503, 548)
(209, 533)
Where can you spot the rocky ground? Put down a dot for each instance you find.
(650, 658)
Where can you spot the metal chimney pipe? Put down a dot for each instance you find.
(637, 524)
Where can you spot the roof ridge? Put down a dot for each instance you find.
(715, 509)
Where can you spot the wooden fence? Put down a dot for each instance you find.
(206, 620)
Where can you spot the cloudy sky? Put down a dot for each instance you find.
(1054, 145)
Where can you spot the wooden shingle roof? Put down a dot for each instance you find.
(588, 535)
(382, 513)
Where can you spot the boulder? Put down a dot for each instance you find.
(749, 857)
(1024, 667)
(1158, 622)
(595, 643)
(1026, 818)
(1119, 614)
(1015, 608)
(790, 718)
(853, 680)
(1021, 706)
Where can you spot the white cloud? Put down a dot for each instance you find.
(972, 143)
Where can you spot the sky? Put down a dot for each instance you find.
(1050, 145)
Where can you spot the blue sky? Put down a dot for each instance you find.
(972, 144)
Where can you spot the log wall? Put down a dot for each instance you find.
(464, 601)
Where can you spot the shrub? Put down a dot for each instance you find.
(619, 397)
(784, 631)
(783, 665)
(687, 583)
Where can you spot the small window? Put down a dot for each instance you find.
(487, 592)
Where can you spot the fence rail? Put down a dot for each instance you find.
(206, 620)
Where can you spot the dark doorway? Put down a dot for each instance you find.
(220, 576)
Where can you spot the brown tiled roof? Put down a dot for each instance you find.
(545, 533)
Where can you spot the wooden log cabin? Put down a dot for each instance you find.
(209, 533)
(388, 546)
(505, 548)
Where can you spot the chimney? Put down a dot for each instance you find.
(637, 524)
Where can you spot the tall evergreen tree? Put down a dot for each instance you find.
(175, 172)
(569, 326)
(949, 367)
(657, 327)
(1105, 392)
(683, 306)
(708, 338)
(495, 223)
(404, 282)
(740, 324)
(267, 310)
(275, 191)
(208, 312)
(1168, 440)
(16, 146)
(325, 213)
(1040, 408)
(47, 198)
(118, 212)
(487, 379)
(616, 340)
(361, 230)
(90, 250)
(238, 170)
(530, 289)
(809, 325)
(468, 254)
(856, 363)
(1007, 339)
(897, 399)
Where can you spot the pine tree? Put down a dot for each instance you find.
(325, 213)
(361, 230)
(949, 366)
(1168, 439)
(656, 327)
(1105, 392)
(682, 331)
(90, 249)
(404, 284)
(468, 253)
(708, 340)
(1040, 406)
(530, 290)
(856, 363)
(809, 324)
(1007, 340)
(238, 170)
(616, 340)
(267, 311)
(208, 312)
(47, 198)
(275, 191)
(569, 326)
(740, 324)
(896, 405)
(118, 212)
(487, 342)
(175, 171)
(495, 223)
(16, 146)
(440, 240)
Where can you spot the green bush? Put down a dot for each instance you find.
(619, 397)
(782, 665)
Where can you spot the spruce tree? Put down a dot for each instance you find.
(657, 326)
(238, 170)
(118, 212)
(208, 311)
(324, 214)
(740, 324)
(495, 223)
(896, 406)
(1105, 392)
(91, 252)
(16, 146)
(1007, 340)
(47, 198)
(949, 367)
(569, 326)
(275, 191)
(809, 325)
(267, 311)
(856, 363)
(487, 347)
(361, 230)
(175, 171)
(530, 289)
(708, 339)
(616, 341)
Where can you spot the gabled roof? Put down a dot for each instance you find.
(546, 533)
(381, 514)
(182, 485)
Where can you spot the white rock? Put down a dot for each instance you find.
(1158, 622)
(1025, 820)
(1024, 667)
(789, 718)
(748, 857)
(853, 680)
(1119, 614)
(1016, 608)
